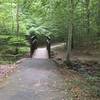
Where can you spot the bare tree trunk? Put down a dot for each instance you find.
(88, 16)
(17, 22)
(70, 33)
(12, 26)
(69, 44)
(17, 18)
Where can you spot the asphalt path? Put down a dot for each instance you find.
(35, 79)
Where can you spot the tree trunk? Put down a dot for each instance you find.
(17, 22)
(12, 26)
(70, 33)
(88, 16)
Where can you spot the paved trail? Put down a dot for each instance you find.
(41, 53)
(35, 79)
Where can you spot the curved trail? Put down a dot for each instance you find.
(35, 79)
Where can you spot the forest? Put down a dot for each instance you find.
(76, 21)
(72, 24)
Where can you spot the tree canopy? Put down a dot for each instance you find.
(50, 16)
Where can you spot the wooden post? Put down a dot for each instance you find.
(49, 46)
(33, 45)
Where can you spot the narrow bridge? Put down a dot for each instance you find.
(41, 53)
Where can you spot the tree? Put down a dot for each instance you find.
(70, 32)
(88, 15)
(17, 23)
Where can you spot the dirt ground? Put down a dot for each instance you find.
(5, 71)
(83, 75)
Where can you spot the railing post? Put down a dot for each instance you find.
(49, 46)
(33, 44)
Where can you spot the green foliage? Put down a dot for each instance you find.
(51, 17)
